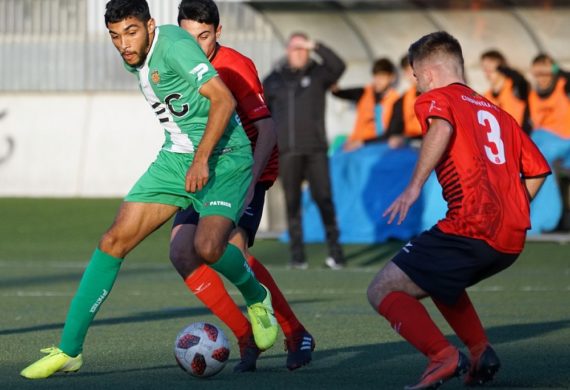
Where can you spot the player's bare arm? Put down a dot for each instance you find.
(266, 141)
(434, 146)
(222, 106)
(533, 185)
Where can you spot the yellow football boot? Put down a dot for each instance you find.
(263, 322)
(55, 361)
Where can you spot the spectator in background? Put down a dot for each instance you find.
(508, 88)
(549, 104)
(374, 105)
(404, 120)
(295, 92)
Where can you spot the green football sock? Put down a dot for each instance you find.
(233, 266)
(95, 286)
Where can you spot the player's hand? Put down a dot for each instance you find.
(197, 176)
(402, 205)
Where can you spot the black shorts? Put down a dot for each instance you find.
(249, 221)
(444, 265)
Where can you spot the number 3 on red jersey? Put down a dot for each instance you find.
(495, 152)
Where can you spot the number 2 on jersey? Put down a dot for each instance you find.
(497, 154)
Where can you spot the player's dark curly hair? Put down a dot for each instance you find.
(201, 11)
(118, 10)
(440, 42)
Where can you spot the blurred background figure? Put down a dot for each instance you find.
(295, 92)
(549, 104)
(508, 88)
(374, 105)
(404, 120)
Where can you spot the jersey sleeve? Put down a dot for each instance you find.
(433, 105)
(188, 60)
(533, 163)
(246, 87)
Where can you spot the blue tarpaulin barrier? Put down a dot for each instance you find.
(366, 181)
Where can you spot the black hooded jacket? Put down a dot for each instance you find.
(296, 99)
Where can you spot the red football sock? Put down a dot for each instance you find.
(207, 286)
(411, 320)
(285, 316)
(465, 322)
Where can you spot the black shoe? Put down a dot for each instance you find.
(299, 349)
(483, 369)
(334, 264)
(248, 353)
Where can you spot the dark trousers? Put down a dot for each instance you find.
(313, 167)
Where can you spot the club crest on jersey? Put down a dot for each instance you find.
(155, 77)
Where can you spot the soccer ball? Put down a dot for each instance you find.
(201, 349)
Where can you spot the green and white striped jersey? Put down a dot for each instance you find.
(173, 72)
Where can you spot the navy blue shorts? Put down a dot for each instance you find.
(249, 221)
(444, 265)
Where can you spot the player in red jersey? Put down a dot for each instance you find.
(489, 170)
(201, 19)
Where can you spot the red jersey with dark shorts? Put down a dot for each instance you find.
(240, 76)
(481, 171)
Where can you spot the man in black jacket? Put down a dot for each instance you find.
(295, 92)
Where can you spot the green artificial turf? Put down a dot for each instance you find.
(45, 244)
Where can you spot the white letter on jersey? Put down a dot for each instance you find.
(199, 70)
(494, 136)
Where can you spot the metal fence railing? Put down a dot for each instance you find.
(63, 45)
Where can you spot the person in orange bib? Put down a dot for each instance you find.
(508, 88)
(404, 121)
(549, 105)
(374, 105)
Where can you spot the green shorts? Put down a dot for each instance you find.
(224, 194)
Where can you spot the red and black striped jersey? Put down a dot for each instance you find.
(240, 76)
(481, 170)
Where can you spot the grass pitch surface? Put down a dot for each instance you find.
(45, 245)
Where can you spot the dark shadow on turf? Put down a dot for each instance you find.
(401, 359)
(125, 371)
(382, 366)
(158, 315)
(71, 277)
(373, 254)
(374, 366)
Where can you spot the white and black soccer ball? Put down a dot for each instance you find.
(201, 349)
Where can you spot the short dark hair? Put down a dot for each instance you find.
(201, 11)
(494, 55)
(383, 65)
(542, 57)
(118, 10)
(433, 44)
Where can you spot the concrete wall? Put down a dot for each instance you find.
(75, 144)
(84, 145)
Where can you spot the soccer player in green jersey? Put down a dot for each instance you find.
(205, 162)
